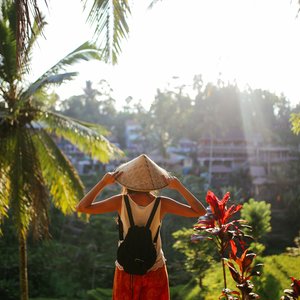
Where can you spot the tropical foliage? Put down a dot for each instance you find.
(241, 272)
(229, 238)
(216, 226)
(269, 285)
(33, 170)
(198, 256)
(109, 19)
(242, 267)
(258, 217)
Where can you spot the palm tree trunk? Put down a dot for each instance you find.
(23, 266)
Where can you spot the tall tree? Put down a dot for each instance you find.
(258, 217)
(168, 118)
(198, 256)
(94, 105)
(31, 164)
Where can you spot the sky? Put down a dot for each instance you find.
(254, 42)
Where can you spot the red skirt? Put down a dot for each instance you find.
(152, 285)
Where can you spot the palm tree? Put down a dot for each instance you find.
(108, 16)
(33, 170)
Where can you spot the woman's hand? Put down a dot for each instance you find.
(110, 177)
(173, 182)
(195, 207)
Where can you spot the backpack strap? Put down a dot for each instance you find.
(156, 235)
(121, 230)
(129, 210)
(157, 200)
(152, 214)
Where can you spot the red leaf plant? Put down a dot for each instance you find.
(294, 293)
(215, 225)
(243, 273)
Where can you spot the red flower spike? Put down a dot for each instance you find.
(213, 202)
(225, 199)
(234, 272)
(219, 209)
(296, 286)
(247, 261)
(230, 211)
(233, 247)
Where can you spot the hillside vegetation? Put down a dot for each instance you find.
(270, 285)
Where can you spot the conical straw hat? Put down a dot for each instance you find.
(142, 174)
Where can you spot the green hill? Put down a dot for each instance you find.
(270, 285)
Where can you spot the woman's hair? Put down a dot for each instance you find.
(125, 190)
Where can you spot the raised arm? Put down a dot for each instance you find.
(86, 204)
(195, 207)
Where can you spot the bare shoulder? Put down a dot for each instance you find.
(168, 204)
(171, 206)
(110, 204)
(115, 201)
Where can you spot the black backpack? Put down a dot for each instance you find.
(137, 253)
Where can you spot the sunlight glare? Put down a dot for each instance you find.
(245, 41)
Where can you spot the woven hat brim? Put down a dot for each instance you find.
(138, 189)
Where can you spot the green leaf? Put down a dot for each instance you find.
(86, 51)
(6, 160)
(82, 134)
(43, 81)
(111, 25)
(8, 69)
(19, 202)
(61, 177)
(295, 121)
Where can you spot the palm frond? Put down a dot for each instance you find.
(153, 3)
(37, 30)
(86, 51)
(120, 28)
(28, 196)
(82, 134)
(18, 202)
(4, 196)
(6, 160)
(35, 189)
(110, 17)
(8, 68)
(44, 81)
(61, 177)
